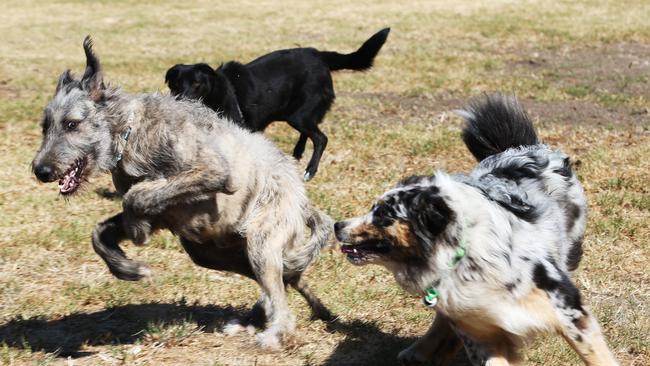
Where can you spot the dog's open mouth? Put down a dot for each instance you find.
(365, 250)
(71, 179)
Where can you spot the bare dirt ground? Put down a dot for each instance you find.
(581, 69)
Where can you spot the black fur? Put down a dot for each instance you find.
(493, 126)
(507, 194)
(293, 85)
(566, 291)
(575, 255)
(427, 211)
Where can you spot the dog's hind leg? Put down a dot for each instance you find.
(306, 120)
(300, 146)
(106, 239)
(265, 255)
(577, 325)
(318, 309)
(440, 343)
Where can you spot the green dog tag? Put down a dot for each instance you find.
(431, 297)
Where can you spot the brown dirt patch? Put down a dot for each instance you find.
(615, 69)
(394, 109)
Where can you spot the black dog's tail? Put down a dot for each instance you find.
(494, 124)
(359, 60)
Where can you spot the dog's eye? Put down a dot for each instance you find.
(45, 124)
(71, 125)
(196, 84)
(381, 216)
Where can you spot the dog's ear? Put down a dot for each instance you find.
(172, 74)
(92, 81)
(430, 211)
(224, 92)
(65, 79)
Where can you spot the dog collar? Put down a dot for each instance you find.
(431, 295)
(120, 148)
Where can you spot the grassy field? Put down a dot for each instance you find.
(581, 68)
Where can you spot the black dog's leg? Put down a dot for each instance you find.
(320, 142)
(306, 120)
(300, 146)
(106, 239)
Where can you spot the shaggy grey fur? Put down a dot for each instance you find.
(234, 199)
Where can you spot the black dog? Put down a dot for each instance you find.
(293, 85)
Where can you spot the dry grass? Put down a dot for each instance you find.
(581, 68)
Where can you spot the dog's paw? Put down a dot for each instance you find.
(308, 176)
(268, 340)
(139, 231)
(129, 270)
(234, 327)
(411, 356)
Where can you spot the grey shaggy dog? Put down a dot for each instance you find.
(493, 250)
(236, 202)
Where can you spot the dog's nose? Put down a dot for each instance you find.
(44, 173)
(338, 226)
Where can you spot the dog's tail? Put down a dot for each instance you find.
(359, 60)
(321, 227)
(494, 124)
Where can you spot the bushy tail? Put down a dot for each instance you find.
(361, 59)
(494, 124)
(321, 227)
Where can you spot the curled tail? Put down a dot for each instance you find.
(321, 227)
(494, 124)
(359, 60)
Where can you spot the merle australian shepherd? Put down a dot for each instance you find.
(491, 251)
(293, 85)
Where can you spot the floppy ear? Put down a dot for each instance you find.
(227, 97)
(92, 80)
(172, 74)
(430, 211)
(64, 79)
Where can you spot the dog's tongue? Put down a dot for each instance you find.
(68, 183)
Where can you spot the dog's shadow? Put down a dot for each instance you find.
(364, 344)
(119, 325)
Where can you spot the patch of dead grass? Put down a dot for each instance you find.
(58, 300)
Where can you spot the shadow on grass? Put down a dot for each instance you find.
(367, 344)
(364, 344)
(119, 325)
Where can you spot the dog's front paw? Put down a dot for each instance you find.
(137, 229)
